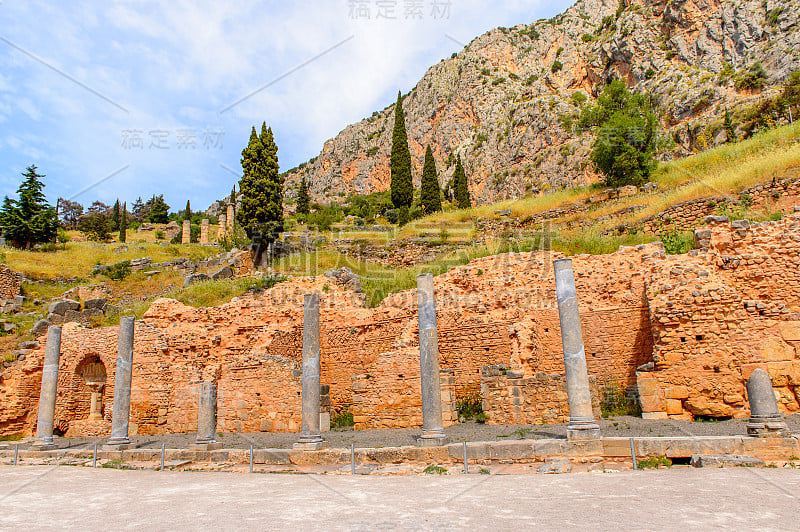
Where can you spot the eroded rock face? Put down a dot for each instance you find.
(503, 106)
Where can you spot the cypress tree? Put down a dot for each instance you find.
(123, 223)
(460, 187)
(400, 163)
(730, 130)
(303, 199)
(261, 185)
(29, 220)
(115, 216)
(430, 195)
(187, 212)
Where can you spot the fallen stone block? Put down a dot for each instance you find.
(723, 460)
(40, 327)
(226, 272)
(96, 303)
(61, 307)
(195, 278)
(555, 467)
(73, 316)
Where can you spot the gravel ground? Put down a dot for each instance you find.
(624, 426)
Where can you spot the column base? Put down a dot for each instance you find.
(208, 446)
(118, 444)
(769, 427)
(310, 446)
(583, 431)
(431, 439)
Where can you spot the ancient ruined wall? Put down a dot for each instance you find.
(387, 394)
(10, 282)
(719, 313)
(686, 216)
(511, 398)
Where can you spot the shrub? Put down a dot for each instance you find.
(557, 65)
(676, 242)
(159, 235)
(434, 469)
(392, 216)
(342, 419)
(469, 406)
(754, 79)
(616, 402)
(587, 37)
(654, 462)
(119, 271)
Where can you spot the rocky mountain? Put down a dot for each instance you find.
(506, 103)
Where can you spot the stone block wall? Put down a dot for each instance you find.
(511, 398)
(10, 283)
(388, 394)
(719, 313)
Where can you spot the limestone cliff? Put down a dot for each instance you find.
(505, 102)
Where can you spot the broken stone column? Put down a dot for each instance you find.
(222, 225)
(122, 386)
(47, 395)
(765, 418)
(204, 231)
(432, 426)
(230, 217)
(207, 417)
(582, 425)
(186, 237)
(311, 439)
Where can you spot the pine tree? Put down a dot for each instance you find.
(261, 185)
(138, 211)
(123, 223)
(303, 199)
(29, 220)
(159, 210)
(430, 195)
(730, 130)
(115, 216)
(460, 186)
(402, 185)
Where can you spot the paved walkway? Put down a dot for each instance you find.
(101, 499)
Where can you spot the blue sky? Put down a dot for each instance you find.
(131, 98)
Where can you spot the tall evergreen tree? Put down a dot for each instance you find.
(461, 187)
(430, 195)
(138, 211)
(123, 223)
(158, 210)
(187, 212)
(730, 129)
(115, 216)
(29, 220)
(261, 185)
(303, 199)
(402, 185)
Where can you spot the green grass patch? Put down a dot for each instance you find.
(654, 462)
(434, 469)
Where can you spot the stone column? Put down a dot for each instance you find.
(765, 418)
(96, 412)
(186, 237)
(122, 385)
(222, 225)
(311, 439)
(430, 386)
(47, 396)
(204, 231)
(230, 218)
(207, 417)
(582, 425)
